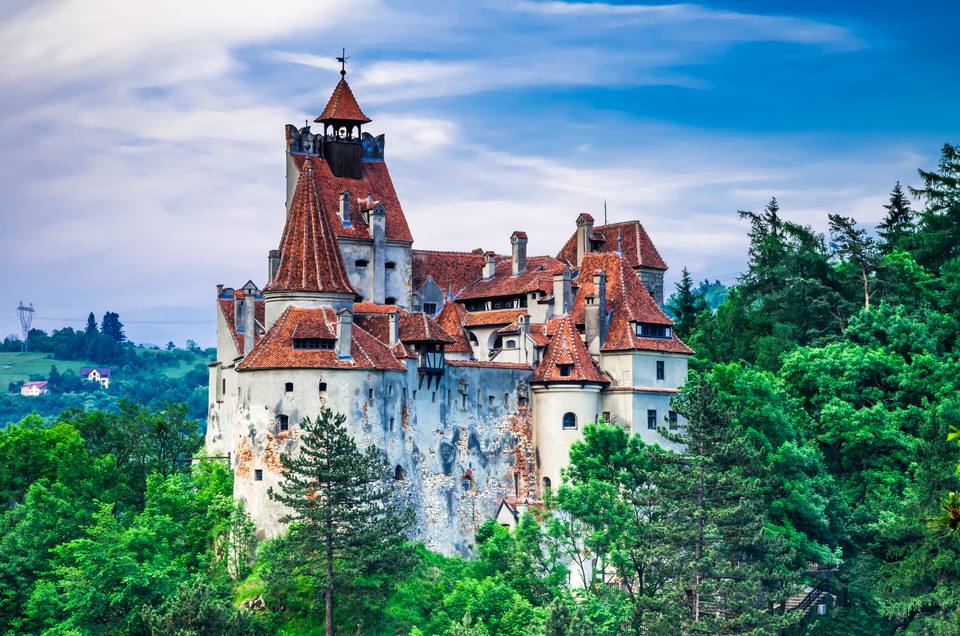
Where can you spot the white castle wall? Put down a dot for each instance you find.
(553, 442)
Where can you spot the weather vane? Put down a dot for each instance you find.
(343, 63)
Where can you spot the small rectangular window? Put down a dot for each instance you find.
(390, 265)
(258, 475)
(491, 400)
(323, 387)
(606, 416)
(429, 308)
(284, 422)
(288, 387)
(314, 343)
(370, 394)
(652, 419)
(672, 416)
(392, 421)
(660, 369)
(433, 396)
(564, 369)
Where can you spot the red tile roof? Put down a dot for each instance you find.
(342, 105)
(451, 271)
(489, 365)
(635, 244)
(492, 318)
(374, 182)
(538, 276)
(411, 327)
(629, 302)
(275, 350)
(566, 348)
(228, 309)
(309, 253)
(451, 318)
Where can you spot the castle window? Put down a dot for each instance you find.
(516, 484)
(314, 343)
(390, 300)
(506, 399)
(569, 420)
(652, 419)
(399, 473)
(392, 421)
(564, 369)
(370, 394)
(258, 475)
(491, 401)
(546, 483)
(283, 421)
(472, 338)
(511, 344)
(475, 305)
(606, 416)
(649, 330)
(224, 389)
(660, 369)
(390, 390)
(323, 387)
(430, 308)
(672, 417)
(390, 265)
(433, 396)
(288, 387)
(467, 482)
(522, 402)
(361, 262)
(463, 401)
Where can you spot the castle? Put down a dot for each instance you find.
(473, 372)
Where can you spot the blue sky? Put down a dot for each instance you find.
(141, 146)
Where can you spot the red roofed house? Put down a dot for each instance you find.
(34, 389)
(472, 372)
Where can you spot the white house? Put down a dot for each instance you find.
(34, 389)
(100, 375)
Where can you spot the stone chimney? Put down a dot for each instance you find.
(249, 322)
(591, 324)
(393, 328)
(345, 208)
(584, 230)
(561, 293)
(489, 265)
(273, 264)
(518, 241)
(344, 333)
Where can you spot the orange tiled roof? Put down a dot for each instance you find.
(275, 350)
(412, 327)
(635, 244)
(229, 315)
(489, 365)
(451, 271)
(451, 319)
(309, 253)
(492, 318)
(374, 182)
(566, 348)
(538, 276)
(343, 106)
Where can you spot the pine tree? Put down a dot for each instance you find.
(91, 329)
(940, 220)
(346, 521)
(112, 327)
(898, 224)
(734, 573)
(686, 306)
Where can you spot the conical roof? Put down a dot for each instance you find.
(343, 106)
(567, 354)
(310, 258)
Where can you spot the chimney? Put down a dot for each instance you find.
(345, 208)
(344, 333)
(600, 289)
(518, 241)
(249, 321)
(219, 290)
(584, 230)
(523, 321)
(273, 264)
(393, 328)
(591, 324)
(489, 265)
(561, 293)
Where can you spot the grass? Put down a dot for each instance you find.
(17, 367)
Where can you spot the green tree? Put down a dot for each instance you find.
(111, 327)
(686, 306)
(201, 607)
(856, 248)
(898, 224)
(91, 329)
(940, 219)
(347, 525)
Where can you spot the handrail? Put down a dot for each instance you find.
(811, 597)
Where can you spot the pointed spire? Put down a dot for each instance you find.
(310, 258)
(566, 358)
(342, 106)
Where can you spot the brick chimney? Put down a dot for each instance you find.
(489, 265)
(344, 333)
(518, 243)
(584, 230)
(561, 293)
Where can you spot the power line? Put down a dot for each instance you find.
(139, 322)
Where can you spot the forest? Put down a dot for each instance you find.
(822, 453)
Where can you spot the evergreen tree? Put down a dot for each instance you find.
(939, 237)
(898, 224)
(346, 522)
(91, 329)
(686, 306)
(857, 248)
(112, 327)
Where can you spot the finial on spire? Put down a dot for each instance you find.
(343, 62)
(619, 244)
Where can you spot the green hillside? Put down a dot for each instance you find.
(18, 367)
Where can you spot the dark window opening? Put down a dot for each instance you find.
(288, 387)
(648, 330)
(652, 419)
(546, 483)
(522, 402)
(491, 400)
(258, 475)
(660, 369)
(370, 394)
(475, 305)
(569, 420)
(472, 338)
(399, 473)
(284, 422)
(429, 308)
(606, 416)
(224, 389)
(314, 343)
(511, 344)
(390, 265)
(467, 482)
(564, 369)
(390, 300)
(323, 387)
(392, 422)
(672, 417)
(516, 484)
(361, 262)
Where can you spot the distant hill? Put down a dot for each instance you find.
(714, 293)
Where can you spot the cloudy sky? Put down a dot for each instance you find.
(141, 143)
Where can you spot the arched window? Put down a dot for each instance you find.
(569, 420)
(389, 300)
(546, 483)
(399, 473)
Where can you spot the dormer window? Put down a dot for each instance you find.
(345, 208)
(650, 330)
(564, 369)
(314, 343)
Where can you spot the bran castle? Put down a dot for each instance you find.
(473, 372)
